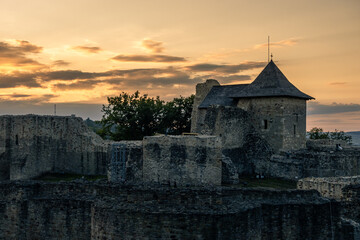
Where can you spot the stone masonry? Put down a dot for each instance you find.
(182, 160)
(31, 145)
(101, 210)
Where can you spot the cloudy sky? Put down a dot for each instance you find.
(76, 53)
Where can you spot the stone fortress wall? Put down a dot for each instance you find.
(101, 210)
(106, 210)
(330, 187)
(31, 145)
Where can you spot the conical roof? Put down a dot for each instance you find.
(271, 82)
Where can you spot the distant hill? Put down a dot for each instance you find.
(355, 137)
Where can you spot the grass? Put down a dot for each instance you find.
(56, 177)
(266, 182)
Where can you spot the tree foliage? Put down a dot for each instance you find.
(131, 117)
(318, 133)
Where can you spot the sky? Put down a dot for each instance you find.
(77, 53)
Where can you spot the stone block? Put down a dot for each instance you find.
(182, 160)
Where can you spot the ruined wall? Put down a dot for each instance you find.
(31, 145)
(133, 159)
(331, 187)
(241, 143)
(320, 162)
(83, 210)
(346, 190)
(182, 160)
(202, 89)
(280, 120)
(350, 205)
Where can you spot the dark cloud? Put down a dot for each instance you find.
(229, 79)
(88, 84)
(148, 58)
(67, 75)
(16, 95)
(224, 68)
(20, 47)
(180, 78)
(153, 46)
(60, 63)
(87, 49)
(18, 80)
(317, 108)
(30, 99)
(16, 55)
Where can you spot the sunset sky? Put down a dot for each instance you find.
(76, 53)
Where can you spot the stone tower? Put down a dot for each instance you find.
(277, 109)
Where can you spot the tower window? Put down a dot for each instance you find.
(265, 124)
(17, 139)
(294, 129)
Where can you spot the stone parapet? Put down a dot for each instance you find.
(182, 160)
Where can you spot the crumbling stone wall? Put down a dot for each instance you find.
(31, 145)
(319, 162)
(241, 143)
(182, 160)
(331, 187)
(350, 205)
(133, 159)
(346, 190)
(202, 89)
(85, 210)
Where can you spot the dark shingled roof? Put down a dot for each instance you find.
(220, 95)
(271, 82)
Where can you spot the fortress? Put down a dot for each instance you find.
(257, 129)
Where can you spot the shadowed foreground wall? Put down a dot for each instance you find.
(84, 210)
(31, 145)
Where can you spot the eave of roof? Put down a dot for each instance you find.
(271, 82)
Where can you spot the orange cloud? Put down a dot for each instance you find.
(87, 49)
(224, 68)
(14, 54)
(283, 43)
(148, 58)
(60, 63)
(153, 46)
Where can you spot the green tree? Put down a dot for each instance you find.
(340, 135)
(318, 133)
(131, 117)
(177, 115)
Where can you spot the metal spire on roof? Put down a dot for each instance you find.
(268, 47)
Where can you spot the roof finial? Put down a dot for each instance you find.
(271, 56)
(268, 48)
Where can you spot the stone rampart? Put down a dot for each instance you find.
(84, 210)
(182, 160)
(331, 187)
(31, 145)
(319, 162)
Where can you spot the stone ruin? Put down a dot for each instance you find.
(31, 145)
(160, 186)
